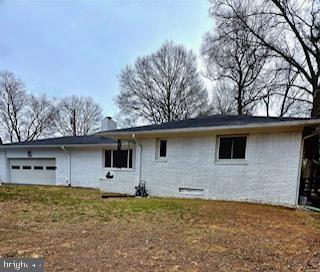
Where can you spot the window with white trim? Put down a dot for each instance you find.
(118, 158)
(161, 149)
(232, 147)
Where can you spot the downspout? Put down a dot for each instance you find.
(6, 168)
(69, 154)
(300, 163)
(140, 157)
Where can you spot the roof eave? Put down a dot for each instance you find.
(255, 126)
(5, 146)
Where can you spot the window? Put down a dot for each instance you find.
(108, 158)
(163, 148)
(38, 167)
(161, 152)
(26, 167)
(232, 147)
(118, 158)
(130, 158)
(191, 191)
(15, 167)
(51, 168)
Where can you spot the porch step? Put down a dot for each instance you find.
(315, 209)
(114, 195)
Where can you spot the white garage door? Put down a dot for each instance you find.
(33, 171)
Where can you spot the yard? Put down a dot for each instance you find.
(76, 230)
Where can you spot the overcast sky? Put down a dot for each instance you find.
(79, 47)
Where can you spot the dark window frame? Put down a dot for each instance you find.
(51, 168)
(161, 148)
(109, 154)
(15, 167)
(240, 155)
(38, 167)
(26, 167)
(107, 158)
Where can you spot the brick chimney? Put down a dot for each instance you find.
(108, 124)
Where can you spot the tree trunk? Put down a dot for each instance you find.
(239, 110)
(316, 102)
(168, 105)
(239, 101)
(74, 125)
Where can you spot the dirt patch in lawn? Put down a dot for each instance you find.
(76, 230)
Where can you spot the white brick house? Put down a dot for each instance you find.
(216, 157)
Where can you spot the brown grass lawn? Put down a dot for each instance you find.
(76, 230)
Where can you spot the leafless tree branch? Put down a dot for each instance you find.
(162, 86)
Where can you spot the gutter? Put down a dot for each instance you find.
(5, 146)
(140, 157)
(69, 153)
(6, 168)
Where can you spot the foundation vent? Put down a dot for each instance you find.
(191, 191)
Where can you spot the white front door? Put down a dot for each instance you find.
(33, 171)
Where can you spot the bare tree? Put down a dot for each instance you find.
(223, 101)
(23, 117)
(78, 116)
(286, 94)
(125, 121)
(40, 115)
(232, 55)
(163, 86)
(289, 29)
(11, 105)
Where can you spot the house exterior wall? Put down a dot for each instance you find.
(2, 166)
(269, 175)
(86, 167)
(124, 180)
(48, 153)
(86, 164)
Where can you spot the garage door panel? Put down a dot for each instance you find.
(33, 171)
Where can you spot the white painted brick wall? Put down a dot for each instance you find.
(124, 180)
(86, 165)
(270, 174)
(2, 166)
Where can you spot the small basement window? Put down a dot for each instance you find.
(161, 148)
(191, 191)
(118, 158)
(26, 167)
(51, 168)
(15, 167)
(232, 147)
(38, 167)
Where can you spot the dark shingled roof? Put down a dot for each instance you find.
(211, 121)
(69, 140)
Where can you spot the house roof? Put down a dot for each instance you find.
(213, 122)
(65, 141)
